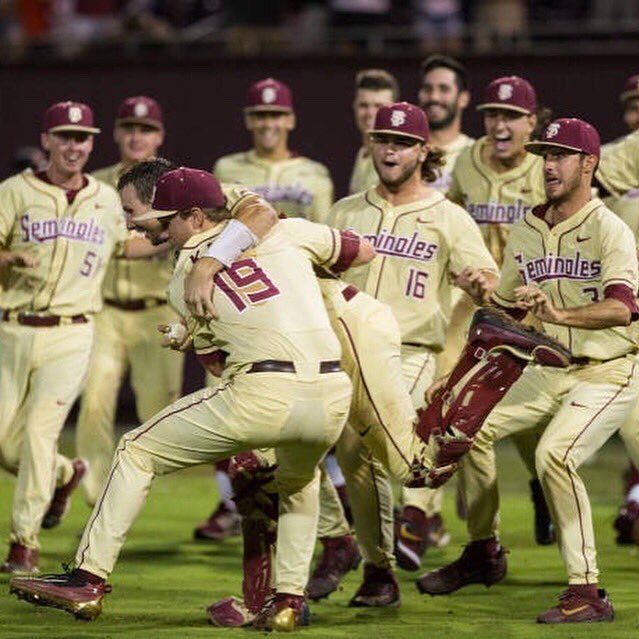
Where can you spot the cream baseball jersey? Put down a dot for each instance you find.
(133, 279)
(297, 186)
(364, 174)
(573, 263)
(419, 246)
(618, 169)
(496, 200)
(452, 152)
(269, 301)
(73, 243)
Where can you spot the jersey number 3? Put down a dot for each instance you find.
(245, 284)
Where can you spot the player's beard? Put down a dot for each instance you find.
(404, 176)
(451, 113)
(571, 185)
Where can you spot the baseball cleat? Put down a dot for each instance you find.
(339, 556)
(230, 612)
(284, 613)
(627, 523)
(21, 560)
(69, 591)
(414, 533)
(544, 528)
(378, 590)
(222, 523)
(60, 501)
(580, 604)
(482, 562)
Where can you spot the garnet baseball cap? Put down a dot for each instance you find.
(182, 189)
(68, 116)
(571, 134)
(510, 92)
(269, 95)
(631, 88)
(401, 119)
(140, 109)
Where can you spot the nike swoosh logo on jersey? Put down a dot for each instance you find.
(406, 534)
(573, 611)
(578, 405)
(365, 432)
(584, 239)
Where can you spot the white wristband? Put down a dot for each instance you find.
(232, 242)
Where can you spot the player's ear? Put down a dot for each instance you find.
(290, 121)
(590, 163)
(44, 141)
(423, 152)
(532, 122)
(248, 122)
(464, 99)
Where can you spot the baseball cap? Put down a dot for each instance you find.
(631, 88)
(140, 109)
(571, 134)
(182, 189)
(401, 119)
(510, 92)
(68, 116)
(269, 95)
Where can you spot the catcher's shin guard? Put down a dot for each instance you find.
(496, 354)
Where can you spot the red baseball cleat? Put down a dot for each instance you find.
(378, 590)
(627, 523)
(71, 592)
(579, 604)
(340, 555)
(21, 560)
(414, 533)
(60, 501)
(230, 612)
(222, 523)
(284, 613)
(482, 562)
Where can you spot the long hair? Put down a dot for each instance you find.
(431, 168)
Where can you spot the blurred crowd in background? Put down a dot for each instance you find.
(70, 28)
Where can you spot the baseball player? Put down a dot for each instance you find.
(423, 241)
(573, 264)
(629, 99)
(134, 299)
(373, 88)
(282, 370)
(58, 230)
(292, 184)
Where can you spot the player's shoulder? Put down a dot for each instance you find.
(352, 202)
(608, 219)
(466, 154)
(232, 160)
(109, 174)
(17, 181)
(312, 166)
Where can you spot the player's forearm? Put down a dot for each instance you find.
(258, 216)
(604, 314)
(137, 248)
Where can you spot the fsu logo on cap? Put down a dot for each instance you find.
(74, 114)
(140, 110)
(269, 95)
(552, 130)
(397, 118)
(505, 91)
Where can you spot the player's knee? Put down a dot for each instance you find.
(549, 459)
(9, 459)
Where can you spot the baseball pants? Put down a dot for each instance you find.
(123, 339)
(41, 373)
(300, 415)
(578, 410)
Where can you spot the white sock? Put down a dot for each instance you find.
(224, 486)
(633, 494)
(334, 471)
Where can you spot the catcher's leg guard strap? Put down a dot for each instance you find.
(259, 536)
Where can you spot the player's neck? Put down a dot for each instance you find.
(66, 181)
(560, 211)
(277, 154)
(413, 190)
(443, 137)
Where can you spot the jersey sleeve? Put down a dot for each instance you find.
(323, 198)
(619, 257)
(7, 214)
(467, 245)
(454, 192)
(510, 279)
(618, 169)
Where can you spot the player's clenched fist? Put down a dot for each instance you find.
(533, 299)
(10, 258)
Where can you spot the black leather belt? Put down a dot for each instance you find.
(277, 366)
(32, 319)
(136, 305)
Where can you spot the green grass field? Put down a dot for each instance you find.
(164, 581)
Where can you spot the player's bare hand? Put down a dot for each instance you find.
(10, 258)
(431, 391)
(175, 336)
(534, 300)
(475, 283)
(199, 286)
